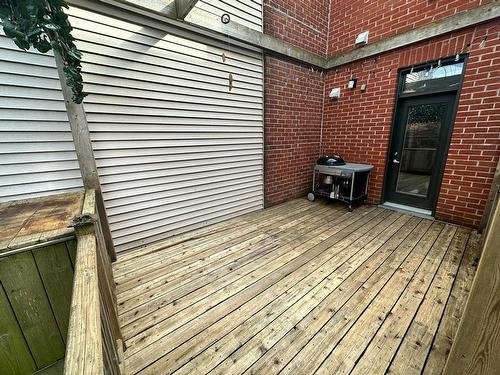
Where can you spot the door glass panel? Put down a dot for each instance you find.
(433, 78)
(420, 145)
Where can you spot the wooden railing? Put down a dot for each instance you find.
(94, 344)
(476, 347)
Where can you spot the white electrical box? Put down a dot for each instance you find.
(335, 93)
(362, 39)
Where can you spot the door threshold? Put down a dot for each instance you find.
(426, 214)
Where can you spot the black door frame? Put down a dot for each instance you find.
(397, 112)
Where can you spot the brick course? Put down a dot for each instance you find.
(302, 23)
(292, 117)
(385, 18)
(358, 124)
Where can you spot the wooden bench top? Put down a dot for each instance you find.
(29, 222)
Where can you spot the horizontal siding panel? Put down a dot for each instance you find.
(27, 114)
(21, 191)
(166, 75)
(27, 92)
(36, 147)
(160, 53)
(124, 96)
(187, 217)
(157, 43)
(38, 167)
(177, 126)
(133, 219)
(137, 63)
(155, 90)
(22, 157)
(218, 8)
(133, 166)
(148, 107)
(191, 224)
(37, 155)
(145, 26)
(191, 172)
(30, 82)
(189, 152)
(139, 193)
(33, 178)
(142, 207)
(33, 126)
(176, 146)
(126, 187)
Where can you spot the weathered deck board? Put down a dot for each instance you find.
(298, 288)
(31, 221)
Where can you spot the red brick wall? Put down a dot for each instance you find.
(292, 118)
(302, 23)
(358, 124)
(384, 18)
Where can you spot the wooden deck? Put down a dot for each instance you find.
(299, 288)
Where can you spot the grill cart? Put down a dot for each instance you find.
(337, 180)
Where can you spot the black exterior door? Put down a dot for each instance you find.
(418, 149)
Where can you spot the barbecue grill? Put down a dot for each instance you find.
(337, 180)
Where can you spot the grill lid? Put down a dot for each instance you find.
(331, 160)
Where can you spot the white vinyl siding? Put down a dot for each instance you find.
(37, 155)
(244, 12)
(175, 148)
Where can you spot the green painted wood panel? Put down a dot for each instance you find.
(54, 369)
(23, 286)
(71, 246)
(15, 356)
(56, 271)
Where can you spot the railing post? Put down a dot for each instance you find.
(84, 152)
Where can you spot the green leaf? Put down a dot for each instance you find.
(22, 43)
(51, 26)
(74, 53)
(44, 25)
(10, 30)
(43, 46)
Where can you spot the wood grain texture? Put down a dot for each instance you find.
(477, 345)
(34, 221)
(15, 356)
(84, 344)
(24, 288)
(94, 333)
(56, 271)
(312, 285)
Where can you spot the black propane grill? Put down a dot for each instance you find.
(335, 179)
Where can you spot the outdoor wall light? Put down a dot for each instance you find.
(335, 93)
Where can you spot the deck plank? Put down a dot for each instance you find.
(385, 260)
(269, 247)
(412, 353)
(385, 321)
(286, 268)
(455, 306)
(298, 288)
(150, 270)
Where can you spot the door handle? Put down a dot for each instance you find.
(395, 161)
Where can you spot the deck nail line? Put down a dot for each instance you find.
(365, 215)
(310, 289)
(396, 301)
